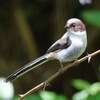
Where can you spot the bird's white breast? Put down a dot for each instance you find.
(75, 50)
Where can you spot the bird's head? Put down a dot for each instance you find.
(75, 25)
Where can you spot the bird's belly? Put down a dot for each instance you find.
(71, 53)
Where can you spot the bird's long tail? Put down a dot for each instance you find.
(24, 69)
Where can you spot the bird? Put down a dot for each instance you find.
(66, 49)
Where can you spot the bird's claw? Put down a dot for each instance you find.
(89, 57)
(45, 85)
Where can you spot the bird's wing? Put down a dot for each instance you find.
(62, 43)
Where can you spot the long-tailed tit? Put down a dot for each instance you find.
(68, 48)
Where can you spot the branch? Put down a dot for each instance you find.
(47, 82)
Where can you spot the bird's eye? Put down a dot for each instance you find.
(72, 25)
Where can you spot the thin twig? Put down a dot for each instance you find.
(44, 84)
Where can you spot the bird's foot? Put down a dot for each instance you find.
(89, 57)
(45, 85)
(61, 70)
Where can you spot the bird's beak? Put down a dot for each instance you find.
(66, 26)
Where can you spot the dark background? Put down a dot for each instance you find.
(27, 30)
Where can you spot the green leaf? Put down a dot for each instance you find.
(80, 95)
(47, 95)
(90, 93)
(94, 88)
(83, 95)
(94, 97)
(92, 17)
(80, 84)
(61, 97)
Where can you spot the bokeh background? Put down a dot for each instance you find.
(29, 27)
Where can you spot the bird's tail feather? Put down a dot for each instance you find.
(24, 69)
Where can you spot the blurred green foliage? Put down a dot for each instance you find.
(30, 97)
(80, 84)
(44, 95)
(90, 92)
(92, 17)
(87, 92)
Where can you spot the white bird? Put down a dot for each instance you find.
(68, 48)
